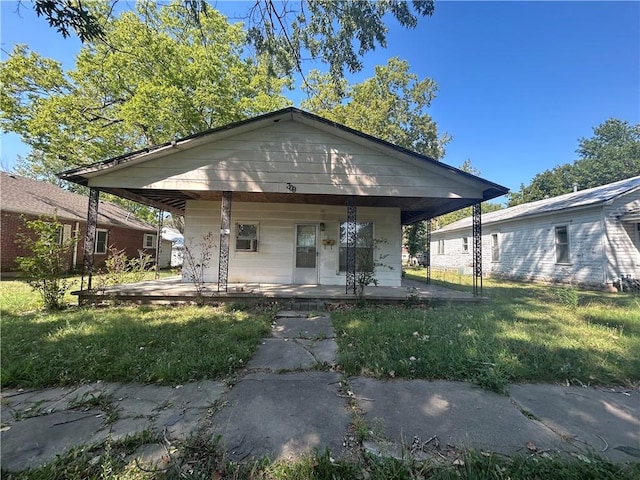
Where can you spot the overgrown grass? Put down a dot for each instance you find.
(123, 344)
(196, 459)
(531, 333)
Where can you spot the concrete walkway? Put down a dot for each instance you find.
(291, 400)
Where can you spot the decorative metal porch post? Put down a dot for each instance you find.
(159, 243)
(477, 250)
(225, 235)
(427, 252)
(351, 233)
(90, 237)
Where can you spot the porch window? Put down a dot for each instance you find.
(495, 248)
(149, 241)
(364, 247)
(465, 244)
(102, 237)
(563, 254)
(247, 237)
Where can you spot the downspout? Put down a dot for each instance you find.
(74, 262)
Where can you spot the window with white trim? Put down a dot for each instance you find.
(247, 237)
(495, 248)
(149, 240)
(102, 237)
(563, 253)
(465, 244)
(364, 247)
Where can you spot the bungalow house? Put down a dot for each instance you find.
(589, 237)
(24, 199)
(288, 198)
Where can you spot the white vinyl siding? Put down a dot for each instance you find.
(274, 260)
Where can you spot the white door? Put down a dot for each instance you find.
(305, 271)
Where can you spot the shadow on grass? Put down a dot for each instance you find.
(127, 344)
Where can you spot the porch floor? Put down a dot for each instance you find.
(173, 290)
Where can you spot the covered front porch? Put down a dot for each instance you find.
(298, 297)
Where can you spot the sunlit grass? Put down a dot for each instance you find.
(532, 333)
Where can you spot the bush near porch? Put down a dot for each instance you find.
(528, 333)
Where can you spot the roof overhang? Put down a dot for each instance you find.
(413, 208)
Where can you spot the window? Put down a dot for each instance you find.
(246, 237)
(495, 248)
(364, 247)
(149, 241)
(562, 245)
(101, 241)
(63, 234)
(465, 244)
(441, 247)
(638, 235)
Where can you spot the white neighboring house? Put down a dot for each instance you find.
(172, 256)
(589, 237)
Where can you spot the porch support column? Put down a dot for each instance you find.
(427, 252)
(477, 250)
(90, 237)
(159, 242)
(351, 234)
(225, 236)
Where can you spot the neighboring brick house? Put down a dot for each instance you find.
(24, 198)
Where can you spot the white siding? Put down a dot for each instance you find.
(274, 260)
(527, 248)
(621, 239)
(270, 158)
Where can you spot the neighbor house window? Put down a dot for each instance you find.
(149, 240)
(63, 234)
(465, 244)
(101, 241)
(495, 248)
(563, 254)
(246, 237)
(364, 247)
(638, 235)
(441, 247)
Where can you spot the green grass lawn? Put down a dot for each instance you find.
(121, 344)
(528, 333)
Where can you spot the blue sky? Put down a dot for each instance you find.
(519, 82)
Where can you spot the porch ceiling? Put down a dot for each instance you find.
(412, 209)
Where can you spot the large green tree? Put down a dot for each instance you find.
(391, 105)
(611, 154)
(337, 32)
(154, 76)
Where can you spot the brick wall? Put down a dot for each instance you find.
(13, 223)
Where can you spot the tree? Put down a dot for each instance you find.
(391, 105)
(415, 238)
(152, 77)
(612, 154)
(326, 30)
(46, 267)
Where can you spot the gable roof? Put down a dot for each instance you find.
(173, 198)
(580, 199)
(28, 196)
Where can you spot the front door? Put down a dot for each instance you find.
(305, 270)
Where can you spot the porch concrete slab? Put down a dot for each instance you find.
(283, 416)
(314, 327)
(458, 414)
(278, 354)
(606, 422)
(37, 440)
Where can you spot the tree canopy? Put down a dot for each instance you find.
(611, 154)
(153, 77)
(392, 105)
(337, 32)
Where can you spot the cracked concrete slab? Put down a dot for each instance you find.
(276, 354)
(606, 422)
(282, 416)
(457, 413)
(315, 327)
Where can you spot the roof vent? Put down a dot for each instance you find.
(575, 187)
